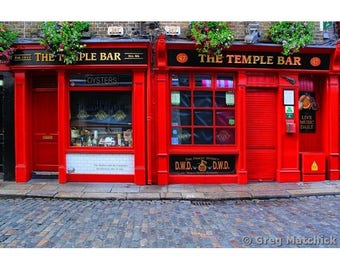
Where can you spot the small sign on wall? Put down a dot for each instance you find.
(289, 110)
(122, 164)
(288, 97)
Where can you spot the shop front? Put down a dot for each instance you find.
(82, 122)
(249, 114)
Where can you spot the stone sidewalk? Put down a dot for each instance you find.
(128, 191)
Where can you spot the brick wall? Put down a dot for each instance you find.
(133, 29)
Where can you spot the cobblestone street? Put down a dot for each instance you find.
(45, 223)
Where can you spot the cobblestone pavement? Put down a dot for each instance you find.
(288, 222)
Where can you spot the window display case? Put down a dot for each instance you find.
(101, 119)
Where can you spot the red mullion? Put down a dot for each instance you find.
(191, 89)
(192, 116)
(214, 108)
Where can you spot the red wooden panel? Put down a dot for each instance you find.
(261, 164)
(45, 130)
(261, 134)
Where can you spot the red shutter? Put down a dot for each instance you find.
(261, 134)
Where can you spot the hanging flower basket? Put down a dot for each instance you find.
(7, 38)
(292, 35)
(63, 39)
(212, 37)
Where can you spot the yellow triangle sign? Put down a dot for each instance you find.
(314, 166)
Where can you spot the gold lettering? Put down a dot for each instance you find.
(229, 58)
(44, 57)
(183, 166)
(109, 56)
(81, 56)
(269, 60)
(219, 59)
(201, 56)
(117, 57)
(297, 61)
(102, 56)
(256, 59)
(93, 56)
(237, 59)
(37, 56)
(210, 59)
(220, 165)
(289, 61)
(205, 58)
(87, 57)
(280, 60)
(246, 59)
(262, 62)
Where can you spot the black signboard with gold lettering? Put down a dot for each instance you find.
(89, 56)
(239, 59)
(219, 164)
(307, 111)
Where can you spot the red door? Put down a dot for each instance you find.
(261, 134)
(45, 129)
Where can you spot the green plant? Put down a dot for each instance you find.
(292, 35)
(7, 38)
(212, 37)
(63, 39)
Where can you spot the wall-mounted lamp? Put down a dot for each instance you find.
(253, 33)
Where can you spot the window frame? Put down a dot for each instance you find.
(101, 89)
(214, 88)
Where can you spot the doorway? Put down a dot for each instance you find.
(45, 129)
(261, 134)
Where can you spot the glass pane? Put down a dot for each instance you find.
(181, 98)
(203, 136)
(225, 118)
(181, 117)
(225, 81)
(180, 80)
(203, 99)
(101, 118)
(203, 118)
(203, 80)
(225, 136)
(181, 136)
(225, 99)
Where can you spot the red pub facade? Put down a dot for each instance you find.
(134, 111)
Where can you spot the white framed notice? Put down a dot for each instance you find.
(288, 97)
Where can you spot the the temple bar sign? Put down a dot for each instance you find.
(88, 56)
(249, 60)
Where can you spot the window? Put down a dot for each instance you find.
(202, 109)
(101, 118)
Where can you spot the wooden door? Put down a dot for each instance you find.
(45, 129)
(261, 134)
